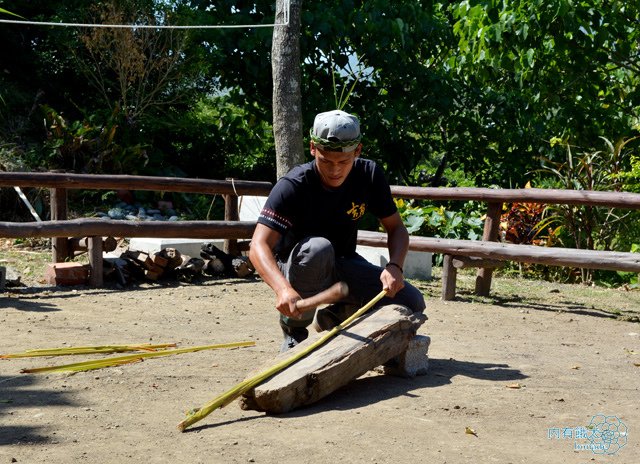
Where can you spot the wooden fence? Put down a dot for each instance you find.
(458, 253)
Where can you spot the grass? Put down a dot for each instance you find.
(29, 258)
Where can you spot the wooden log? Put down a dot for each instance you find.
(172, 256)
(96, 276)
(154, 272)
(464, 262)
(449, 276)
(124, 182)
(211, 186)
(159, 260)
(141, 257)
(525, 195)
(373, 340)
(82, 244)
(231, 213)
(58, 207)
(103, 227)
(490, 234)
(551, 256)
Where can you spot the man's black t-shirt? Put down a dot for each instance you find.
(299, 206)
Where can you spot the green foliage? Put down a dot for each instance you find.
(631, 177)
(228, 140)
(588, 227)
(88, 145)
(438, 221)
(550, 66)
(447, 91)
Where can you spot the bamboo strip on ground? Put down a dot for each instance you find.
(131, 358)
(69, 351)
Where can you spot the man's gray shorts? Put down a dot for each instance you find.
(313, 267)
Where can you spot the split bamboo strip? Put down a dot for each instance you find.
(87, 350)
(221, 401)
(101, 363)
(86, 365)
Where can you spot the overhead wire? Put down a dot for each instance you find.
(287, 8)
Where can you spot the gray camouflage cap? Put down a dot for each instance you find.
(336, 131)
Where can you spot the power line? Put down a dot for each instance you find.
(287, 8)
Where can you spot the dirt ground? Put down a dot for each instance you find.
(525, 369)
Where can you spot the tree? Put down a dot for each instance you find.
(287, 105)
(549, 68)
(467, 91)
(134, 69)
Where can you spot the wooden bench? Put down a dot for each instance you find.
(488, 255)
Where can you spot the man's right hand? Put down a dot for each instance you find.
(261, 256)
(286, 303)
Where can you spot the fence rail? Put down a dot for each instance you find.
(61, 230)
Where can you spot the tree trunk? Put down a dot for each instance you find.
(287, 112)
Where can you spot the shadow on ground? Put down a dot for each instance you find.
(517, 302)
(34, 299)
(366, 391)
(20, 394)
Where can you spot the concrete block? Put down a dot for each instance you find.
(67, 274)
(186, 246)
(417, 264)
(414, 361)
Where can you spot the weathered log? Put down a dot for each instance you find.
(464, 262)
(59, 245)
(102, 227)
(95, 251)
(449, 277)
(368, 343)
(124, 182)
(82, 244)
(525, 195)
(490, 234)
(239, 187)
(589, 259)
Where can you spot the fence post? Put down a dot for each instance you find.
(490, 234)
(59, 245)
(96, 274)
(449, 275)
(231, 214)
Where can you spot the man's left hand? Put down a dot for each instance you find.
(392, 280)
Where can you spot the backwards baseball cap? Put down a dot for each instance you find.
(336, 131)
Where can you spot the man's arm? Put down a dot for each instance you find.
(398, 245)
(261, 256)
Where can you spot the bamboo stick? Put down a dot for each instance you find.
(101, 363)
(67, 351)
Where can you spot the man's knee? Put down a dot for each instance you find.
(311, 266)
(315, 252)
(413, 298)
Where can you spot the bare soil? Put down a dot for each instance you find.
(534, 358)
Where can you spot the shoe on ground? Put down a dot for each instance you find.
(331, 316)
(292, 336)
